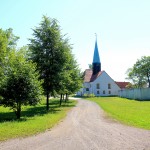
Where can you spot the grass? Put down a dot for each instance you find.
(34, 119)
(130, 112)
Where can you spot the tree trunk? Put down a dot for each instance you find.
(47, 101)
(60, 99)
(18, 111)
(148, 79)
(66, 98)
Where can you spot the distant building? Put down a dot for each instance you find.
(98, 82)
(122, 85)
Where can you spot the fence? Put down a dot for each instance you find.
(138, 94)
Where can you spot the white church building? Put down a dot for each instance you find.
(98, 82)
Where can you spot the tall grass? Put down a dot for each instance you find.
(33, 120)
(130, 112)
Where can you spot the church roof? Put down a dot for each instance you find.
(94, 77)
(89, 77)
(122, 85)
(96, 58)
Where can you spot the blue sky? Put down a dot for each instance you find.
(122, 26)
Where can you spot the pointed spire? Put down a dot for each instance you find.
(96, 59)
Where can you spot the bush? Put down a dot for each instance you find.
(89, 95)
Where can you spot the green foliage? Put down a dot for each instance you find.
(20, 85)
(140, 72)
(130, 86)
(90, 66)
(3, 49)
(51, 51)
(130, 112)
(35, 119)
(11, 39)
(70, 77)
(47, 53)
(7, 43)
(88, 95)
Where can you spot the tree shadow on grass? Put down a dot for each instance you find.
(32, 111)
(56, 104)
(7, 116)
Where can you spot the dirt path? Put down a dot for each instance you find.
(85, 128)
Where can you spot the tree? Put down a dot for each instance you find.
(3, 49)
(11, 39)
(8, 41)
(140, 72)
(20, 86)
(48, 53)
(90, 66)
(70, 78)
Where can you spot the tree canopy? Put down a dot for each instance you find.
(19, 84)
(140, 72)
(51, 51)
(8, 41)
(46, 61)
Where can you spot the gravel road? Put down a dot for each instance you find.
(86, 127)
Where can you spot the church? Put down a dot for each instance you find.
(98, 82)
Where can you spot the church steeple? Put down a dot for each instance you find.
(96, 59)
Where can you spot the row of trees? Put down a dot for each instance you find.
(139, 74)
(46, 65)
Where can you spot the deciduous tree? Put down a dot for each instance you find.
(8, 42)
(70, 79)
(20, 85)
(140, 72)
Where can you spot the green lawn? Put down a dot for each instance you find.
(130, 112)
(33, 120)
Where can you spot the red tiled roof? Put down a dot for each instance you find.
(89, 77)
(122, 85)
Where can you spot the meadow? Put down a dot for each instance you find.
(130, 112)
(34, 119)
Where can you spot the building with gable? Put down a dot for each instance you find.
(98, 82)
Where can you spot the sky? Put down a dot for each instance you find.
(122, 28)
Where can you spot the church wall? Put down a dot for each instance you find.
(104, 89)
(107, 86)
(85, 90)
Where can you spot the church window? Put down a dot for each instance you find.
(98, 86)
(109, 92)
(87, 89)
(109, 86)
(98, 92)
(104, 92)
